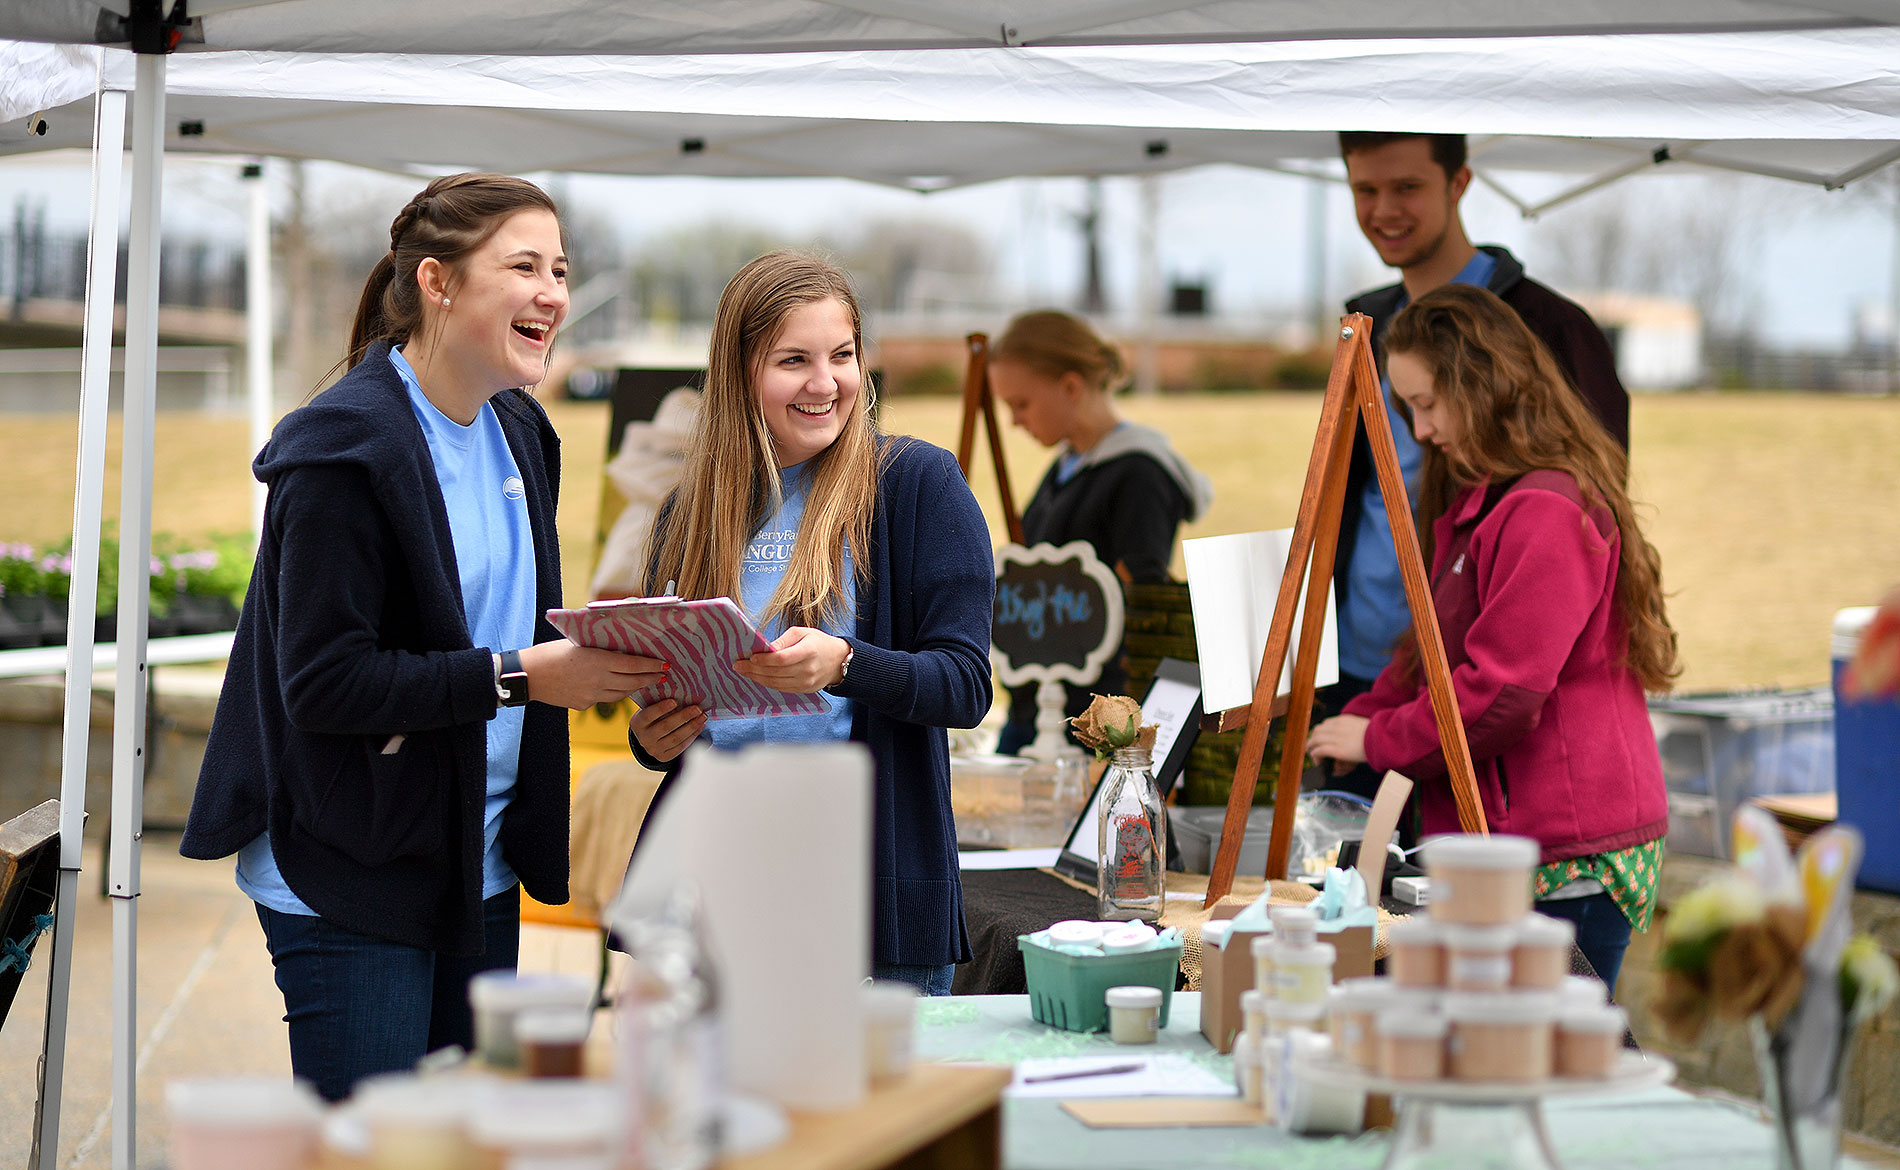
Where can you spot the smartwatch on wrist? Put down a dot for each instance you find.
(511, 682)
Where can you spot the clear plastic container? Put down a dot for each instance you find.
(498, 997)
(890, 1029)
(1480, 881)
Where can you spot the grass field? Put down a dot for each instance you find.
(1771, 511)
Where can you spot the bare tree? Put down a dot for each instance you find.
(910, 263)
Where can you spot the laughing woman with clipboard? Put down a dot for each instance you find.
(866, 561)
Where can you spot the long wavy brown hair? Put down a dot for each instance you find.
(731, 477)
(1515, 412)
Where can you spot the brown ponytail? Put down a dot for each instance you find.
(1055, 343)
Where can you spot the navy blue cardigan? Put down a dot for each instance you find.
(920, 663)
(353, 632)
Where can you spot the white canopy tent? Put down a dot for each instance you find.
(1820, 107)
(564, 27)
(1818, 100)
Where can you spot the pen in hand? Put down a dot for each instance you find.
(1079, 1073)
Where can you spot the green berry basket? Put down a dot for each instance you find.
(1070, 991)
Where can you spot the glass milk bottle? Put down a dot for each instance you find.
(1132, 840)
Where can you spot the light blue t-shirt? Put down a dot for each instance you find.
(494, 557)
(766, 556)
(1373, 612)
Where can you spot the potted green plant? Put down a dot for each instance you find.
(21, 603)
(206, 584)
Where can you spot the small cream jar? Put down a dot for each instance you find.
(1284, 1016)
(1411, 1044)
(242, 1123)
(1478, 958)
(1575, 991)
(1417, 958)
(1589, 1040)
(1352, 1011)
(1301, 974)
(1506, 1036)
(1480, 881)
(1262, 950)
(890, 1026)
(1253, 1010)
(1541, 958)
(1247, 1069)
(1134, 1014)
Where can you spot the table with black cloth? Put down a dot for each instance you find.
(999, 904)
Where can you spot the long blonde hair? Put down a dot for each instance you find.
(730, 482)
(1516, 413)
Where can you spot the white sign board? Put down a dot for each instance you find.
(1234, 582)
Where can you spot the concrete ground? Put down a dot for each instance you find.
(207, 1004)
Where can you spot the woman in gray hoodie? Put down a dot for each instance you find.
(1117, 484)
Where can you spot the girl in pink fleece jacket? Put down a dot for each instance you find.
(1550, 601)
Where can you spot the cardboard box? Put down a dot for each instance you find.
(1227, 971)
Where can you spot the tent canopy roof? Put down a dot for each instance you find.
(1819, 106)
(725, 26)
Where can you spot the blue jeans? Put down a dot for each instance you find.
(359, 1005)
(927, 979)
(1603, 933)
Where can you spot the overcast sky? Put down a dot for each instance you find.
(1806, 262)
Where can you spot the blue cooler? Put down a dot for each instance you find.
(1867, 761)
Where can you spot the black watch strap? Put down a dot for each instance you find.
(511, 684)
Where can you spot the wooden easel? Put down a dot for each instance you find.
(1352, 388)
(977, 395)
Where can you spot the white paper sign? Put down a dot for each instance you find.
(1234, 582)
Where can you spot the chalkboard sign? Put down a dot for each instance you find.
(1058, 614)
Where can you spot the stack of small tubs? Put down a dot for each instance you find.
(1479, 988)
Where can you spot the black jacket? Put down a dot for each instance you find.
(353, 632)
(1574, 339)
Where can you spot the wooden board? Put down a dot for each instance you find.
(1163, 1112)
(29, 875)
(933, 1105)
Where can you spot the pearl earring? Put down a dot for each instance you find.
(445, 302)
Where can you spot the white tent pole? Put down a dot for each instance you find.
(257, 328)
(102, 263)
(1148, 287)
(135, 552)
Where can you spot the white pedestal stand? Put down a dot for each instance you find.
(1050, 741)
(1481, 1125)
